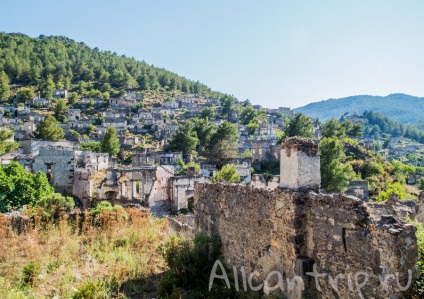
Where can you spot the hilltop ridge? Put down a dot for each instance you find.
(402, 108)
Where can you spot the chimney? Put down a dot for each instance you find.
(299, 164)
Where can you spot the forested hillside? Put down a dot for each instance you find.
(29, 61)
(377, 125)
(402, 108)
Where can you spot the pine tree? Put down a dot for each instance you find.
(49, 129)
(223, 144)
(6, 145)
(4, 87)
(61, 110)
(300, 125)
(184, 139)
(25, 93)
(228, 173)
(110, 143)
(334, 174)
(48, 87)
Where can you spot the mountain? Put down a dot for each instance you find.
(400, 107)
(30, 61)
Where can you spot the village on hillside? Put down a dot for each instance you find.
(146, 172)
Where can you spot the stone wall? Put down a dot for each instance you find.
(59, 164)
(291, 230)
(359, 188)
(182, 190)
(83, 186)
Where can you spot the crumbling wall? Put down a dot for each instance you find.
(124, 185)
(291, 230)
(83, 186)
(182, 190)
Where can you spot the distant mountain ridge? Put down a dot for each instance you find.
(402, 108)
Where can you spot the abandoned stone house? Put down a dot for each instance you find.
(266, 131)
(128, 142)
(170, 105)
(148, 184)
(60, 93)
(22, 111)
(294, 228)
(134, 96)
(38, 102)
(121, 103)
(265, 150)
(78, 125)
(96, 101)
(68, 170)
(145, 117)
(29, 129)
(74, 114)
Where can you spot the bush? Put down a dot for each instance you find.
(106, 207)
(228, 174)
(29, 273)
(190, 265)
(91, 290)
(55, 203)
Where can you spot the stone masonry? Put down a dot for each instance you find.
(294, 229)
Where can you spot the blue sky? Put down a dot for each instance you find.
(275, 53)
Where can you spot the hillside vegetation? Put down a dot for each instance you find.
(31, 61)
(402, 108)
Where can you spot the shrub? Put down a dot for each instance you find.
(91, 290)
(55, 203)
(190, 264)
(228, 173)
(29, 272)
(105, 206)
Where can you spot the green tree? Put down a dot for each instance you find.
(48, 87)
(91, 129)
(204, 130)
(333, 128)
(61, 111)
(91, 146)
(49, 129)
(4, 87)
(72, 98)
(90, 104)
(5, 145)
(184, 139)
(25, 93)
(19, 187)
(353, 130)
(110, 143)
(334, 174)
(228, 173)
(227, 105)
(208, 112)
(248, 114)
(223, 144)
(299, 125)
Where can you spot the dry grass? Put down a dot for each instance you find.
(125, 255)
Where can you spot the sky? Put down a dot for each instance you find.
(274, 53)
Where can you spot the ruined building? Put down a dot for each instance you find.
(294, 228)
